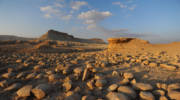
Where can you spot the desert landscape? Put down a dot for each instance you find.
(59, 66)
(89, 49)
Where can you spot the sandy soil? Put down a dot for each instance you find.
(82, 71)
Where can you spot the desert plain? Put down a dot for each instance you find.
(58, 66)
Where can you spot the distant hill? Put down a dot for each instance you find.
(11, 37)
(53, 35)
(61, 36)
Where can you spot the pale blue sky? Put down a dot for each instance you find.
(155, 20)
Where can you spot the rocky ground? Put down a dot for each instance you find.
(28, 71)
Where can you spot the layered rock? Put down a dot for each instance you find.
(55, 35)
(62, 36)
(116, 44)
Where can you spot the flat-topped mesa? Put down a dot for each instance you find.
(116, 44)
(55, 35)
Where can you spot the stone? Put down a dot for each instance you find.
(133, 81)
(53, 77)
(20, 75)
(49, 72)
(146, 95)
(78, 71)
(143, 86)
(24, 91)
(163, 98)
(8, 75)
(159, 92)
(88, 97)
(169, 67)
(116, 96)
(41, 90)
(98, 76)
(153, 64)
(39, 76)
(174, 86)
(4, 83)
(37, 67)
(31, 76)
(162, 86)
(112, 87)
(128, 75)
(73, 96)
(19, 61)
(90, 84)
(85, 74)
(124, 81)
(175, 95)
(115, 73)
(100, 83)
(128, 91)
(13, 87)
(89, 66)
(67, 85)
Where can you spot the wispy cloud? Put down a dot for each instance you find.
(127, 5)
(120, 4)
(92, 19)
(59, 9)
(49, 11)
(76, 5)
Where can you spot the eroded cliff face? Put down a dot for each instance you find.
(116, 44)
(61, 36)
(55, 35)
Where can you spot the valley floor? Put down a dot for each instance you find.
(87, 72)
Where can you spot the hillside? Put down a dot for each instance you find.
(11, 37)
(62, 36)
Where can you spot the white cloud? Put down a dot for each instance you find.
(93, 16)
(120, 4)
(47, 15)
(59, 9)
(49, 10)
(127, 6)
(76, 5)
(67, 17)
(59, 5)
(132, 7)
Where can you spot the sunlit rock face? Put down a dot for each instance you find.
(116, 44)
(55, 35)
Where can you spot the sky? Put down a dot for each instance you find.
(153, 20)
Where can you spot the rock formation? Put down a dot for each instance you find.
(61, 36)
(116, 44)
(55, 35)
